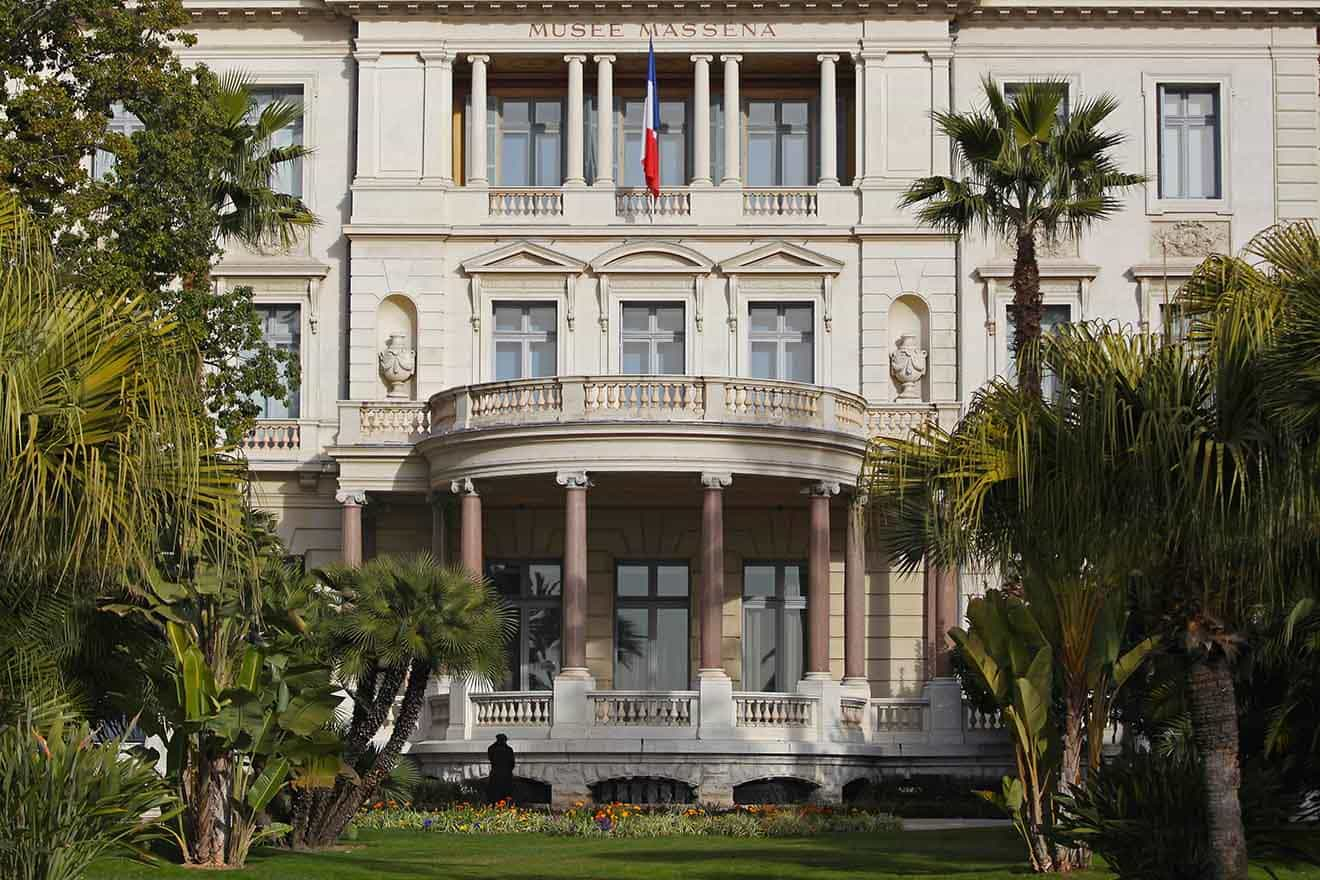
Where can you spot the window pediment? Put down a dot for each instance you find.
(650, 257)
(523, 257)
(781, 258)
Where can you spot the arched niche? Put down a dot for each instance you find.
(909, 347)
(396, 348)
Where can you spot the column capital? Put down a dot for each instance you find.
(580, 59)
(356, 497)
(366, 56)
(939, 55)
(827, 57)
(436, 57)
(573, 479)
(478, 59)
(716, 480)
(823, 489)
(705, 58)
(463, 486)
(734, 58)
(603, 59)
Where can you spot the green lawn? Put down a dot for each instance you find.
(979, 854)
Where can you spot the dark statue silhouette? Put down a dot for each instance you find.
(500, 784)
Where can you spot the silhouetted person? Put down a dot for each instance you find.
(500, 784)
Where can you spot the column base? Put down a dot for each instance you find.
(701, 183)
(715, 704)
(828, 183)
(603, 184)
(571, 709)
(731, 183)
(857, 684)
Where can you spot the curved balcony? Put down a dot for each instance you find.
(651, 423)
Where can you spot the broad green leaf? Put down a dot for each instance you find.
(197, 685)
(306, 714)
(249, 671)
(268, 784)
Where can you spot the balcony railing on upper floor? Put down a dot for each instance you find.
(273, 439)
(638, 203)
(781, 202)
(525, 202)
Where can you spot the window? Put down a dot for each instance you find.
(779, 148)
(534, 591)
(281, 327)
(672, 137)
(1189, 149)
(121, 122)
(780, 338)
(286, 176)
(1013, 89)
(526, 142)
(652, 339)
(1052, 317)
(651, 626)
(774, 624)
(526, 340)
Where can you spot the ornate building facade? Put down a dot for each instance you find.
(644, 419)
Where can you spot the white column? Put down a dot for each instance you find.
(875, 89)
(732, 122)
(438, 118)
(829, 151)
(604, 121)
(859, 119)
(941, 160)
(575, 177)
(366, 113)
(701, 128)
(478, 124)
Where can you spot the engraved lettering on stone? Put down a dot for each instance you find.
(686, 30)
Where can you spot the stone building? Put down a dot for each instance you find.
(644, 420)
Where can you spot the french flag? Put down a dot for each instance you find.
(650, 136)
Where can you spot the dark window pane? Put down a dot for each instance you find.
(672, 580)
(671, 648)
(631, 649)
(633, 580)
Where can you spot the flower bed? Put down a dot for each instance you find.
(627, 820)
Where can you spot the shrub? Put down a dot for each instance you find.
(434, 794)
(1144, 814)
(68, 801)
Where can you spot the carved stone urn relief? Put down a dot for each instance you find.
(398, 363)
(907, 364)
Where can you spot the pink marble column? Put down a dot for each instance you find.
(351, 502)
(469, 526)
(575, 485)
(941, 612)
(711, 605)
(439, 537)
(854, 595)
(818, 581)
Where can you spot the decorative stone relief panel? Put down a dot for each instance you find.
(1189, 238)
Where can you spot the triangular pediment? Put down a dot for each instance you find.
(523, 256)
(651, 256)
(781, 258)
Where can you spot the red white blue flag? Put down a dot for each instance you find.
(651, 134)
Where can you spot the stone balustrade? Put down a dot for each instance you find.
(773, 710)
(526, 203)
(893, 716)
(273, 438)
(643, 708)
(648, 399)
(512, 709)
(636, 203)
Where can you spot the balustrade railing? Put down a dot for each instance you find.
(976, 721)
(773, 710)
(515, 401)
(761, 400)
(513, 709)
(780, 202)
(643, 708)
(395, 422)
(525, 202)
(639, 203)
(852, 711)
(901, 716)
(647, 397)
(273, 437)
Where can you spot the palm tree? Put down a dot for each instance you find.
(1028, 174)
(249, 209)
(396, 622)
(105, 442)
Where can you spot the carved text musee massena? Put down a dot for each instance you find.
(643, 30)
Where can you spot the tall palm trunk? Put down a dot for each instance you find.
(1215, 732)
(1026, 310)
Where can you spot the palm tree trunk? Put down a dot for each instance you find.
(1026, 311)
(1215, 732)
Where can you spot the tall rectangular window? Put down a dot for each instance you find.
(672, 137)
(1190, 160)
(281, 327)
(1052, 317)
(651, 626)
(526, 340)
(121, 122)
(534, 590)
(287, 176)
(781, 341)
(774, 625)
(779, 143)
(525, 141)
(1013, 89)
(651, 340)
